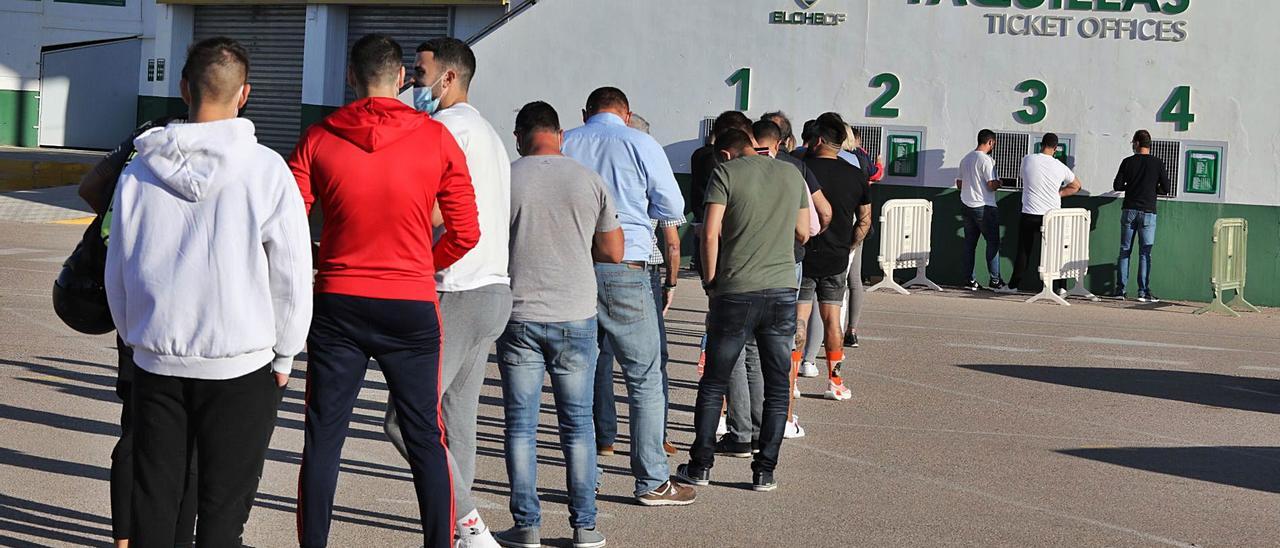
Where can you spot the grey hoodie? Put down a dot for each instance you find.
(209, 262)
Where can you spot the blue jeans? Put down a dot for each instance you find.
(629, 325)
(985, 222)
(1144, 224)
(606, 411)
(567, 351)
(768, 316)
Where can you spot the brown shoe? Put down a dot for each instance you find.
(605, 450)
(669, 493)
(670, 449)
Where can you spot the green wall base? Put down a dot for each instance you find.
(151, 107)
(19, 118)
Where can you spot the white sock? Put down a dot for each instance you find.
(471, 524)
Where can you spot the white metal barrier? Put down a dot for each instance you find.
(1064, 253)
(906, 227)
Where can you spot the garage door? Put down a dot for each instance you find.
(274, 36)
(408, 26)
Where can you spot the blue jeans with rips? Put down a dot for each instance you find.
(527, 352)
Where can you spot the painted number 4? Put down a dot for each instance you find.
(1177, 110)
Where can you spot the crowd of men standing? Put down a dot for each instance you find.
(434, 247)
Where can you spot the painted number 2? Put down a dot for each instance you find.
(1036, 109)
(742, 79)
(880, 107)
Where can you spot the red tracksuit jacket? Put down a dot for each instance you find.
(378, 168)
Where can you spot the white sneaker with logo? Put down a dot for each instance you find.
(836, 390)
(793, 429)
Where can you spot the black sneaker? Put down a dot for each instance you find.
(763, 481)
(729, 447)
(1148, 298)
(755, 446)
(1119, 295)
(999, 286)
(686, 474)
(851, 340)
(971, 285)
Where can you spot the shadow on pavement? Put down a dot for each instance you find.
(1243, 393)
(52, 523)
(1245, 467)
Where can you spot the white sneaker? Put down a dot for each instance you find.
(793, 429)
(482, 540)
(795, 391)
(808, 369)
(723, 427)
(836, 390)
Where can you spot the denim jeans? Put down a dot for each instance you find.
(1144, 224)
(985, 222)
(567, 351)
(628, 323)
(768, 316)
(606, 411)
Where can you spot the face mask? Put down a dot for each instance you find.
(424, 100)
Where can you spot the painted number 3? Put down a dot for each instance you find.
(1036, 109)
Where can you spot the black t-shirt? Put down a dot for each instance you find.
(810, 181)
(1142, 177)
(701, 165)
(846, 188)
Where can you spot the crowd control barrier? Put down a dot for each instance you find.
(1230, 246)
(1064, 254)
(905, 229)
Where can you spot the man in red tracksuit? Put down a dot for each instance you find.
(378, 167)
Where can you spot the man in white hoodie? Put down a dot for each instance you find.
(209, 280)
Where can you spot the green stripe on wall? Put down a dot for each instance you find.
(151, 107)
(19, 118)
(1181, 259)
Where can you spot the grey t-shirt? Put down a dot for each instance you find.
(557, 207)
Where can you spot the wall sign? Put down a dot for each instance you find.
(904, 157)
(1067, 26)
(1202, 172)
(806, 16)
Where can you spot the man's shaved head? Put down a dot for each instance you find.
(216, 69)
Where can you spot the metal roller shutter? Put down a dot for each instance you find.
(407, 25)
(274, 37)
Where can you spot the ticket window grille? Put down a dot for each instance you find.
(872, 140)
(1010, 149)
(704, 129)
(1169, 152)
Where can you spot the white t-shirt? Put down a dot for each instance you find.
(977, 169)
(490, 167)
(1042, 177)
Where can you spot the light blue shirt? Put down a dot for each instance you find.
(636, 170)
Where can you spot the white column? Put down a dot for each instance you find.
(324, 55)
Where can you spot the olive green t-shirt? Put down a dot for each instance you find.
(762, 198)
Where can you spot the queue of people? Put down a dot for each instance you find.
(435, 246)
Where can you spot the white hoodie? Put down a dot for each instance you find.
(209, 258)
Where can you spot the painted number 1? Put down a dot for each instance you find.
(742, 79)
(1036, 109)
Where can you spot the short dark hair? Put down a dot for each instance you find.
(764, 129)
(1050, 140)
(216, 68)
(1142, 138)
(809, 132)
(831, 129)
(731, 119)
(855, 131)
(375, 58)
(454, 54)
(784, 123)
(986, 136)
(607, 97)
(733, 140)
(537, 116)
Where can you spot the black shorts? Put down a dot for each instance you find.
(828, 289)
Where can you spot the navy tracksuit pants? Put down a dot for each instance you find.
(404, 336)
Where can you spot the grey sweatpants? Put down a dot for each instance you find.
(850, 314)
(470, 321)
